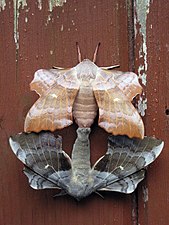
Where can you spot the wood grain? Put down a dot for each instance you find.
(49, 39)
(153, 194)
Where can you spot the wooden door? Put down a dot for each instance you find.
(39, 34)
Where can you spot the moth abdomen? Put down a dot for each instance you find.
(85, 107)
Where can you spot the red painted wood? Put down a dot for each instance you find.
(42, 44)
(153, 201)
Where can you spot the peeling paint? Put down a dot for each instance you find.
(145, 194)
(49, 18)
(40, 4)
(54, 3)
(142, 105)
(2, 5)
(61, 29)
(26, 19)
(142, 9)
(17, 4)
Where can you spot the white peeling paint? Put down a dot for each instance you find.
(142, 8)
(26, 19)
(61, 29)
(142, 106)
(54, 3)
(40, 4)
(17, 4)
(2, 5)
(49, 18)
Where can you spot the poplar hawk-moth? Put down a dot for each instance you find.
(48, 166)
(78, 93)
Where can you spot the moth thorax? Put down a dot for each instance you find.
(85, 106)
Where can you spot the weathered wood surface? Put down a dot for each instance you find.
(44, 39)
(47, 38)
(151, 55)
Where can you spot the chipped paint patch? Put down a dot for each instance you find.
(17, 4)
(51, 52)
(26, 19)
(40, 4)
(2, 5)
(145, 194)
(61, 29)
(49, 19)
(54, 3)
(142, 8)
(142, 105)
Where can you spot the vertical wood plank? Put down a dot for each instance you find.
(152, 59)
(46, 39)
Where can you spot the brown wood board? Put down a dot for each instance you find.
(47, 39)
(153, 204)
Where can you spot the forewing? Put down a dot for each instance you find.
(117, 115)
(53, 110)
(128, 83)
(43, 155)
(123, 159)
(44, 79)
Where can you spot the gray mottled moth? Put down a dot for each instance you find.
(48, 166)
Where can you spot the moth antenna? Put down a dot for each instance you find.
(96, 52)
(110, 67)
(99, 194)
(78, 52)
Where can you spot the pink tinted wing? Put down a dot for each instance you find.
(53, 110)
(44, 79)
(117, 115)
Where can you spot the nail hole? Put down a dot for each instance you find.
(167, 112)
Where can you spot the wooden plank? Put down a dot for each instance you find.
(152, 26)
(46, 39)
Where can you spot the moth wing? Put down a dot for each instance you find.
(127, 82)
(53, 110)
(37, 181)
(48, 165)
(127, 184)
(44, 79)
(117, 115)
(123, 159)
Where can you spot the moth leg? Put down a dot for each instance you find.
(109, 67)
(61, 193)
(96, 52)
(96, 192)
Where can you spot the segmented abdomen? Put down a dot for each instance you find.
(85, 107)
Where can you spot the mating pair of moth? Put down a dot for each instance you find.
(79, 93)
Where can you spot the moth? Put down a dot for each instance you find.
(48, 166)
(79, 92)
